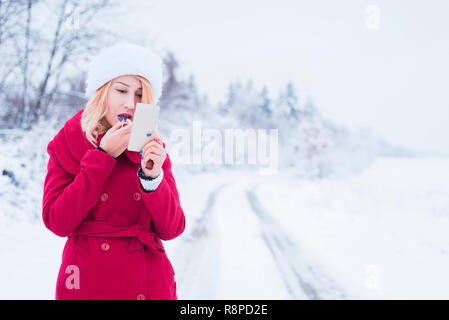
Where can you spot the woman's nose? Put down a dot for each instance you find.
(131, 102)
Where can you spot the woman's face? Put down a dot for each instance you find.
(123, 95)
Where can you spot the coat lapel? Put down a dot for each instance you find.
(71, 144)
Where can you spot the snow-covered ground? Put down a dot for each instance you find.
(379, 235)
(382, 234)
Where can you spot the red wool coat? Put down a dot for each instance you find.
(114, 228)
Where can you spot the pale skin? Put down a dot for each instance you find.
(123, 96)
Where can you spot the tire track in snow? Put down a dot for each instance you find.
(198, 254)
(302, 278)
(247, 269)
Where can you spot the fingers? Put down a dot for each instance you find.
(156, 137)
(153, 150)
(157, 160)
(116, 126)
(154, 144)
(150, 155)
(124, 130)
(154, 153)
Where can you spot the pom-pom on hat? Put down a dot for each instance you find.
(125, 59)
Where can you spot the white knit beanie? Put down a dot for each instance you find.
(125, 59)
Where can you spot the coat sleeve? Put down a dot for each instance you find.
(67, 199)
(163, 203)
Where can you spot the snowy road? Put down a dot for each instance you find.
(198, 254)
(236, 250)
(247, 270)
(302, 276)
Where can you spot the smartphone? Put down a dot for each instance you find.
(146, 118)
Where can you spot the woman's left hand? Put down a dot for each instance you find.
(153, 156)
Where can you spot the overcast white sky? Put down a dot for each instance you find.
(394, 80)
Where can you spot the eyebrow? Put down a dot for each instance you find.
(125, 84)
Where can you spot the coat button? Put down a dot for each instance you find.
(140, 297)
(105, 246)
(137, 196)
(104, 196)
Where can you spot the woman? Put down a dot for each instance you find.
(114, 205)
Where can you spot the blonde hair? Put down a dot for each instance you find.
(93, 122)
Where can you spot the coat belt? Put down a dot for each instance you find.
(112, 230)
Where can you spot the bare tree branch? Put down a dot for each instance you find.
(25, 100)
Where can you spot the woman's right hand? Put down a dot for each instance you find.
(116, 139)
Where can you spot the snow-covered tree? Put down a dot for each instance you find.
(48, 38)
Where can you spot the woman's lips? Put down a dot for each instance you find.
(125, 116)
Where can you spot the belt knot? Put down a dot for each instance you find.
(141, 236)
